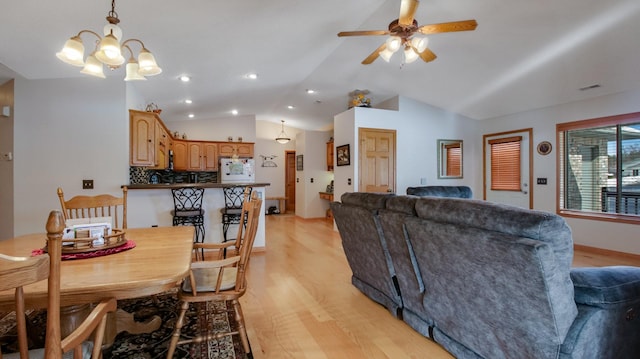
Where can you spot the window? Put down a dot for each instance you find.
(454, 159)
(599, 161)
(505, 164)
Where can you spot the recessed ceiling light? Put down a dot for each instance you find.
(191, 115)
(291, 107)
(185, 78)
(234, 112)
(251, 76)
(310, 91)
(187, 101)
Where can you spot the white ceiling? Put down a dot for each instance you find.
(523, 55)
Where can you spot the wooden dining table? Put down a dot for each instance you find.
(159, 261)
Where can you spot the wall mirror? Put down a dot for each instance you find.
(449, 158)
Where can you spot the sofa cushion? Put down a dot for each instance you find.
(441, 191)
(515, 221)
(607, 287)
(498, 294)
(370, 201)
(365, 248)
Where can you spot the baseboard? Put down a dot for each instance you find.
(603, 251)
(258, 249)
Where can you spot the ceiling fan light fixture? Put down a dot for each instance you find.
(420, 43)
(386, 55)
(409, 55)
(282, 137)
(393, 43)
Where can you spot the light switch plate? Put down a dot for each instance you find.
(6, 111)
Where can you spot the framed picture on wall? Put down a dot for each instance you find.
(343, 155)
(299, 164)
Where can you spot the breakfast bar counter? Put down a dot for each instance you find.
(150, 205)
(201, 185)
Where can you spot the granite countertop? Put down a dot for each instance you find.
(202, 185)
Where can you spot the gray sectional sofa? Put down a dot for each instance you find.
(486, 280)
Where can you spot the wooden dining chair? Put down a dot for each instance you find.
(215, 280)
(16, 272)
(102, 205)
(31, 269)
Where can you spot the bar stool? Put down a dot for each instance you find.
(232, 211)
(187, 202)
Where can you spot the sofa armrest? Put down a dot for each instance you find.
(606, 287)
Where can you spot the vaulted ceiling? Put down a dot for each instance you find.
(523, 55)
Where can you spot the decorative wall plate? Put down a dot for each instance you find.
(544, 148)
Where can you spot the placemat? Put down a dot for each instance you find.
(99, 253)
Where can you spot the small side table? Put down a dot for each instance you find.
(329, 197)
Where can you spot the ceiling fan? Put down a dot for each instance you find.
(403, 31)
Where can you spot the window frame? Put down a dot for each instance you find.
(561, 128)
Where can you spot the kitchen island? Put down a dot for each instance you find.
(151, 205)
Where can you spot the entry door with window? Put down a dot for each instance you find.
(507, 170)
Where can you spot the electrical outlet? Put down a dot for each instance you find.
(87, 184)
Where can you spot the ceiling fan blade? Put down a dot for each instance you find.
(466, 25)
(407, 11)
(363, 33)
(427, 55)
(374, 55)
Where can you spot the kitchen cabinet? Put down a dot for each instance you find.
(201, 156)
(330, 156)
(163, 143)
(180, 155)
(142, 138)
(242, 149)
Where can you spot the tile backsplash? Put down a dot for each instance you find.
(143, 175)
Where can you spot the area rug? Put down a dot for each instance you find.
(217, 316)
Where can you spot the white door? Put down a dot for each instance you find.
(521, 195)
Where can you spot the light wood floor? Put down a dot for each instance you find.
(301, 304)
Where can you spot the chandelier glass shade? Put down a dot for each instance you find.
(109, 51)
(282, 137)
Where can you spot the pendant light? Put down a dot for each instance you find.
(282, 137)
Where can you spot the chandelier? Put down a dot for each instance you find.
(108, 51)
(282, 137)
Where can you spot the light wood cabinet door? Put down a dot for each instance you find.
(330, 156)
(162, 141)
(194, 159)
(210, 151)
(142, 138)
(180, 155)
(227, 149)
